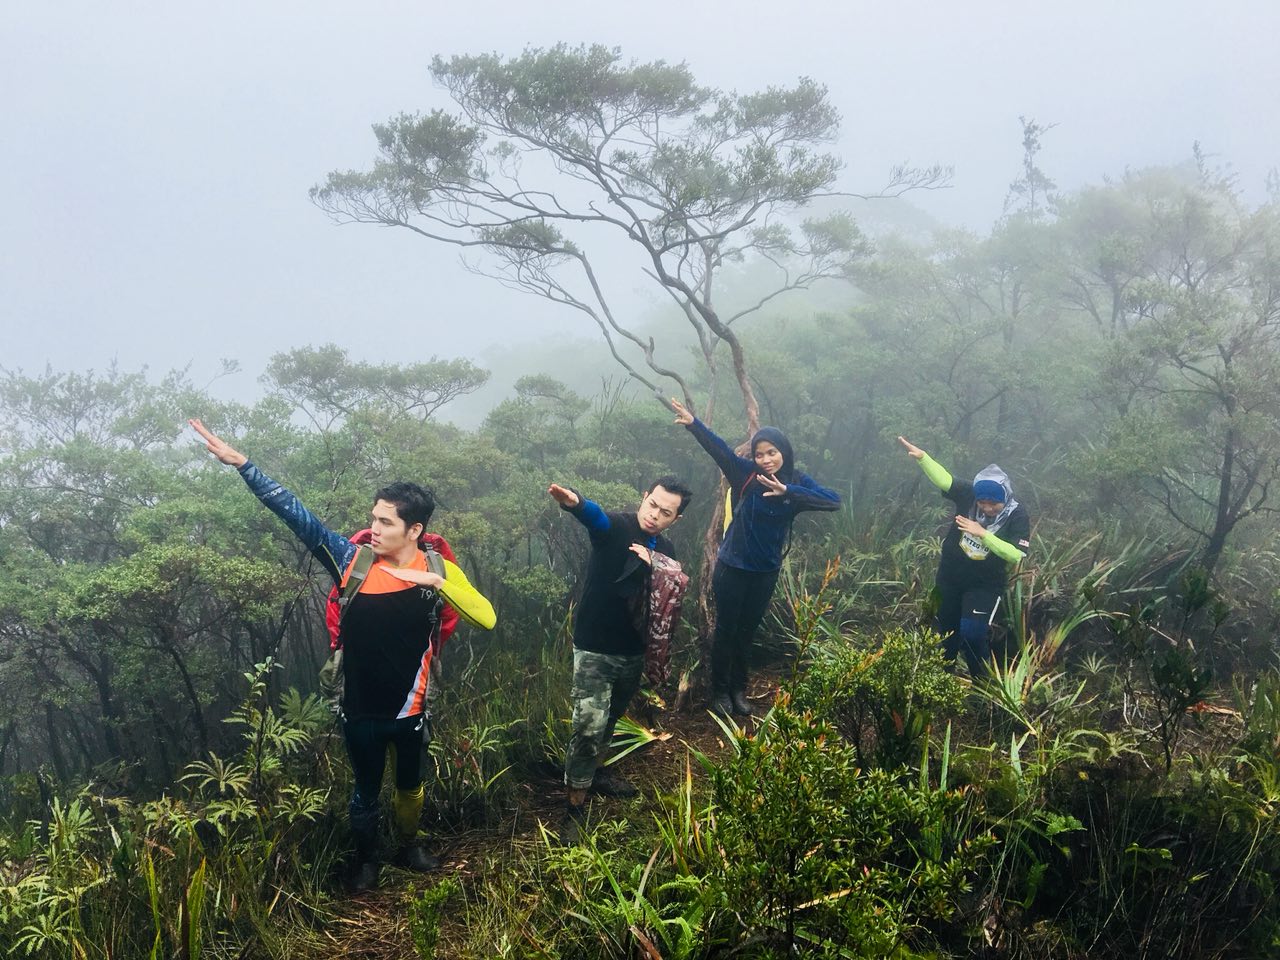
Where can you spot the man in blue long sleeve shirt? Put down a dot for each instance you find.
(608, 649)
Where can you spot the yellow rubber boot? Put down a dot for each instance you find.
(406, 807)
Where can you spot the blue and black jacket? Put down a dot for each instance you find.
(758, 532)
(615, 577)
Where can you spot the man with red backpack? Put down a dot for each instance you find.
(437, 550)
(448, 615)
(389, 619)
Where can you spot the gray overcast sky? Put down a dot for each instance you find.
(156, 157)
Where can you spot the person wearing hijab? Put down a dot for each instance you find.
(992, 532)
(766, 493)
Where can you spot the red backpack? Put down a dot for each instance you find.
(448, 615)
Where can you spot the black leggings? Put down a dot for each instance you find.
(367, 742)
(742, 599)
(965, 612)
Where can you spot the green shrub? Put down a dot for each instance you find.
(203, 870)
(1183, 868)
(819, 855)
(883, 699)
(426, 910)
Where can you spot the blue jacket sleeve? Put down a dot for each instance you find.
(590, 515)
(333, 550)
(735, 468)
(805, 494)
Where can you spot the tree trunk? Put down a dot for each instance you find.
(4, 745)
(86, 749)
(165, 734)
(1224, 520)
(188, 686)
(55, 748)
(100, 672)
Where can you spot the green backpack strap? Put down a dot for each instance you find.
(435, 562)
(355, 579)
(332, 680)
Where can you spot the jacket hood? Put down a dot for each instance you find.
(778, 439)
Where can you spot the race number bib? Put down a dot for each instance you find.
(972, 547)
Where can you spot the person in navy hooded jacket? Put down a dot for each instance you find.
(767, 492)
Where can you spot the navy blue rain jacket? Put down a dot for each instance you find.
(758, 533)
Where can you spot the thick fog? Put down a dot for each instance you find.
(157, 157)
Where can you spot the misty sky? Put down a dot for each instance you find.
(156, 157)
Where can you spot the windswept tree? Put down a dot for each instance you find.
(552, 151)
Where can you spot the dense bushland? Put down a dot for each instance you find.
(167, 784)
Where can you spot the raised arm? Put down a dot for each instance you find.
(735, 468)
(935, 471)
(333, 550)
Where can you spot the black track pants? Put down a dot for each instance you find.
(742, 599)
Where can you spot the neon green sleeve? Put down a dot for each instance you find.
(466, 599)
(1001, 548)
(936, 472)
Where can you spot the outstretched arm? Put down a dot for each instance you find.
(935, 471)
(333, 550)
(588, 512)
(735, 468)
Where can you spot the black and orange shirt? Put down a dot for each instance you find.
(389, 625)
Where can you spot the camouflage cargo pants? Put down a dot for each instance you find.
(603, 685)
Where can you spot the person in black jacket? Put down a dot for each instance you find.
(992, 532)
(608, 649)
(767, 492)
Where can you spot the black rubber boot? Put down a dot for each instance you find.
(411, 856)
(720, 702)
(365, 820)
(572, 824)
(365, 877)
(609, 784)
(738, 684)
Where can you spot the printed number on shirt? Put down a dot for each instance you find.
(972, 547)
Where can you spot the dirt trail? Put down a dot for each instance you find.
(374, 925)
